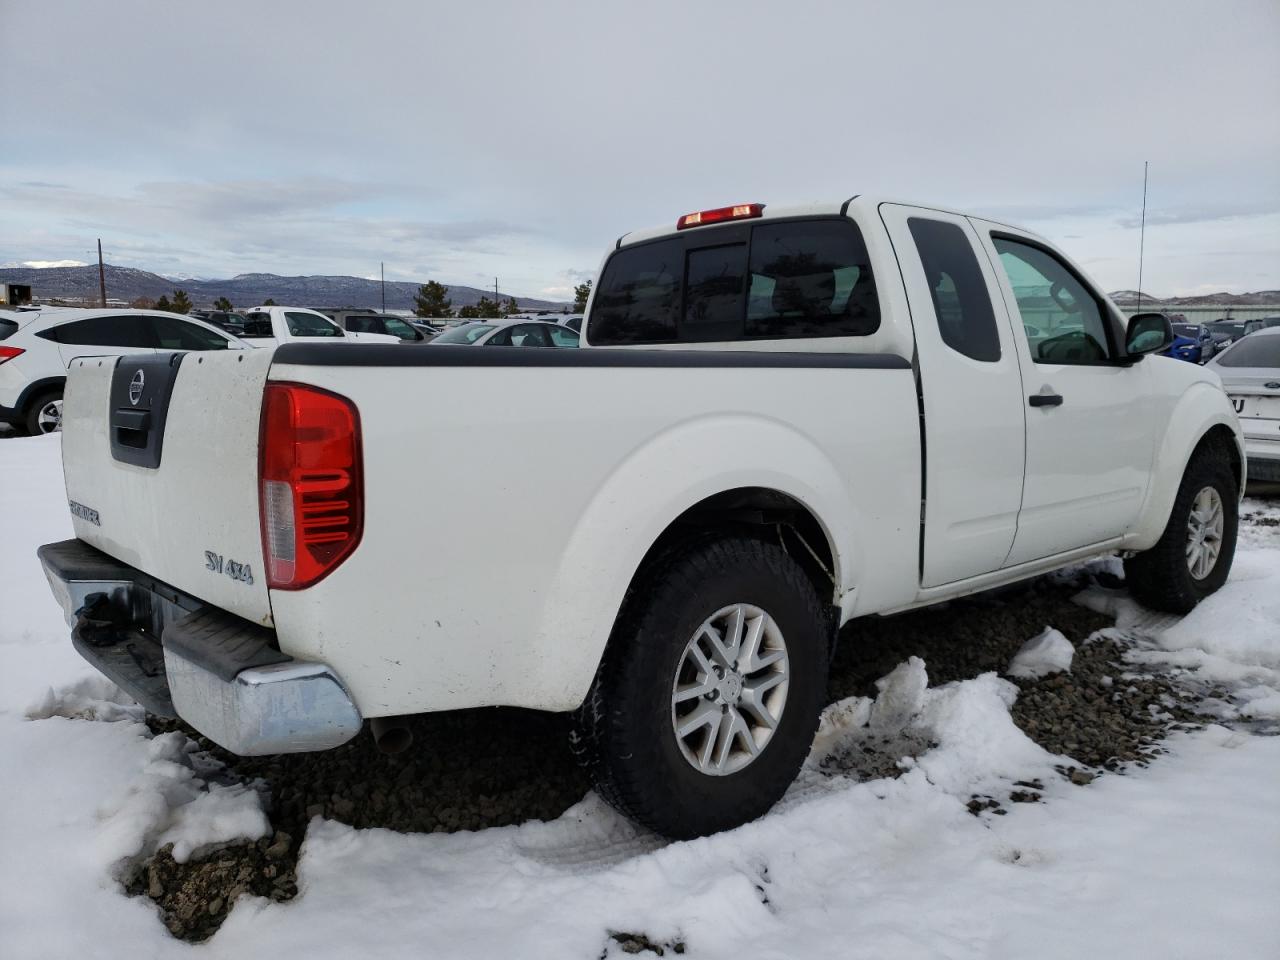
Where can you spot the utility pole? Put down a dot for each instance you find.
(495, 288)
(382, 268)
(102, 277)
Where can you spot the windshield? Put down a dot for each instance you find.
(1253, 351)
(1231, 328)
(400, 328)
(467, 333)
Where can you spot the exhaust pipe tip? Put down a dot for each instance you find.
(391, 735)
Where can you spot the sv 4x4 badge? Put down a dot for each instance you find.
(232, 568)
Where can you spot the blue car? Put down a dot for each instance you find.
(1191, 341)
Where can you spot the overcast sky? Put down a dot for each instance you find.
(468, 140)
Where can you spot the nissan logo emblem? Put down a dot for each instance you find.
(135, 387)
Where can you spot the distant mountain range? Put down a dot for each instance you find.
(246, 290)
(1257, 298)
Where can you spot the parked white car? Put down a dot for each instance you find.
(1250, 372)
(508, 333)
(272, 325)
(779, 420)
(37, 346)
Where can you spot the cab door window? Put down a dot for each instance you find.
(174, 334)
(1063, 319)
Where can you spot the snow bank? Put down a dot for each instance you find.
(1046, 653)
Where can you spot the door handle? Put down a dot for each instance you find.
(1045, 400)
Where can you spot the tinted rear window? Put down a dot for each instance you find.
(1253, 351)
(7, 328)
(639, 296)
(779, 280)
(810, 278)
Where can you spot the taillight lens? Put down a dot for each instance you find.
(311, 485)
(8, 353)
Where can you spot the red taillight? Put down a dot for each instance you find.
(743, 211)
(8, 353)
(312, 491)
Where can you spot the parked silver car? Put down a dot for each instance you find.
(509, 333)
(1250, 372)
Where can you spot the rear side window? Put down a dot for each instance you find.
(7, 328)
(780, 280)
(961, 300)
(117, 331)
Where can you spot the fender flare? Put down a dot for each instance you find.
(647, 492)
(1200, 409)
(34, 389)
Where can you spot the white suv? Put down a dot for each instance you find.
(37, 346)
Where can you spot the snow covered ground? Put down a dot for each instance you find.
(1179, 859)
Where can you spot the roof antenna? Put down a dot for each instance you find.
(1142, 233)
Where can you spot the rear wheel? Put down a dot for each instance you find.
(706, 703)
(44, 415)
(1193, 556)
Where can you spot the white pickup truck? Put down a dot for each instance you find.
(272, 325)
(780, 420)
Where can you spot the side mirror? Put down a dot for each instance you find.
(1148, 333)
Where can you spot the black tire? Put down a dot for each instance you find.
(624, 731)
(1160, 577)
(32, 420)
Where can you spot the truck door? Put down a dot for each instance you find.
(971, 385)
(1090, 436)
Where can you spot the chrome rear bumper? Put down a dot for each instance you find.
(180, 658)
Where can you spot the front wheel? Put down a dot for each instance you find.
(1193, 556)
(708, 697)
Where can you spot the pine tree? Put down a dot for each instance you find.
(181, 302)
(431, 301)
(223, 304)
(471, 312)
(268, 302)
(163, 304)
(510, 307)
(488, 309)
(580, 294)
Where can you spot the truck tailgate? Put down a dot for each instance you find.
(160, 455)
